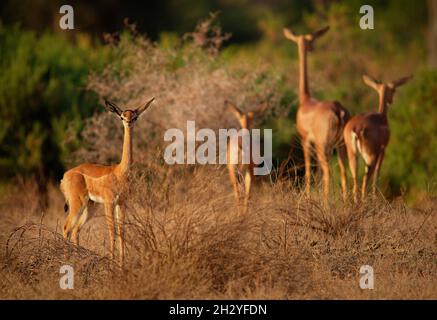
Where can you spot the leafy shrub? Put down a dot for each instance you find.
(44, 101)
(42, 93)
(410, 165)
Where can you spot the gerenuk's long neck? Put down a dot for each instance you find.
(382, 108)
(304, 91)
(126, 156)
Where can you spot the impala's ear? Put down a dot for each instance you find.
(112, 107)
(140, 110)
(402, 81)
(320, 32)
(290, 35)
(232, 108)
(371, 82)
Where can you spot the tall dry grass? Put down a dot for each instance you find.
(186, 240)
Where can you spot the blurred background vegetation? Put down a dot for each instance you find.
(46, 95)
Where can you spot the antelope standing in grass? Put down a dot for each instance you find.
(318, 122)
(239, 152)
(101, 184)
(368, 134)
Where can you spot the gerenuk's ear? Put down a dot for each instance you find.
(112, 107)
(371, 82)
(402, 81)
(140, 110)
(232, 108)
(290, 35)
(320, 32)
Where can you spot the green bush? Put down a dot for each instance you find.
(411, 161)
(42, 93)
(44, 79)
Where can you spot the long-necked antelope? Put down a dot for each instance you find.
(368, 134)
(241, 152)
(102, 184)
(318, 122)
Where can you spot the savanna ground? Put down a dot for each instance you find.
(185, 238)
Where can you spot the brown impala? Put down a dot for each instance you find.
(318, 122)
(246, 170)
(368, 134)
(102, 184)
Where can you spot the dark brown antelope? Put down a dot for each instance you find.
(368, 134)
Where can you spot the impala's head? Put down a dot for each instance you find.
(128, 116)
(386, 90)
(245, 119)
(305, 40)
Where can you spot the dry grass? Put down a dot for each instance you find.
(186, 240)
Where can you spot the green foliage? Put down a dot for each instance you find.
(410, 165)
(41, 95)
(43, 78)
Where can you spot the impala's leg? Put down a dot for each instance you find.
(369, 171)
(306, 145)
(247, 185)
(119, 217)
(323, 161)
(74, 212)
(352, 158)
(376, 173)
(109, 211)
(234, 182)
(75, 192)
(342, 155)
(82, 220)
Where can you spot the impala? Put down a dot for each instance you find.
(242, 151)
(318, 122)
(101, 184)
(368, 134)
